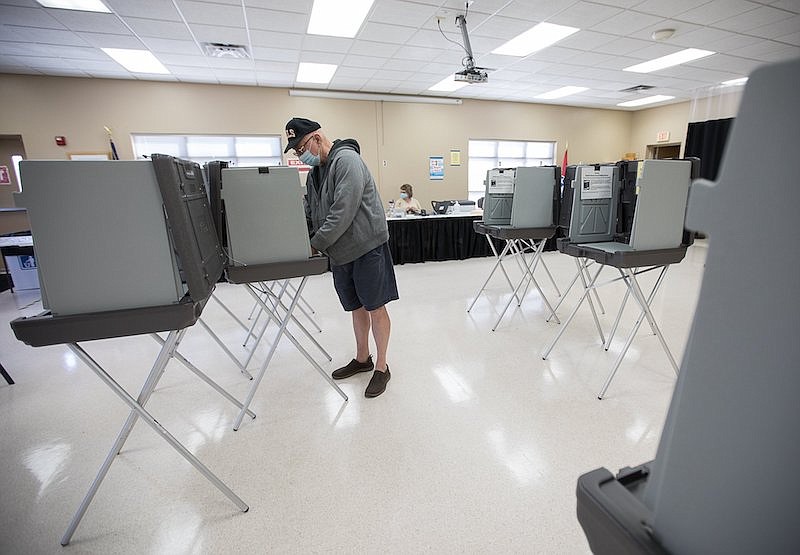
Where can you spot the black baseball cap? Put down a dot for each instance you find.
(296, 129)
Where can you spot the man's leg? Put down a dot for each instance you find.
(361, 324)
(381, 328)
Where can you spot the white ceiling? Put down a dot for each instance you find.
(400, 50)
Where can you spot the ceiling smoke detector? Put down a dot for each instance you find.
(221, 50)
(662, 34)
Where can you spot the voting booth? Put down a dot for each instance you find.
(654, 241)
(261, 220)
(723, 479)
(521, 208)
(123, 248)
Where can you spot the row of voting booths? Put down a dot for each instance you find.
(137, 247)
(627, 217)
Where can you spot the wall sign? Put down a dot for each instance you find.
(455, 157)
(5, 177)
(436, 165)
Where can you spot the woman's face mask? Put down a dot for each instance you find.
(403, 195)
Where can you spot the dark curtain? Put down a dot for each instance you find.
(706, 140)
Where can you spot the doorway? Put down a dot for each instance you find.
(663, 151)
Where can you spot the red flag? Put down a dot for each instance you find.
(564, 163)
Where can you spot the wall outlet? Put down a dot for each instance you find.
(385, 164)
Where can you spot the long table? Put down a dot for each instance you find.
(435, 237)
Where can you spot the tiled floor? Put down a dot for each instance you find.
(475, 447)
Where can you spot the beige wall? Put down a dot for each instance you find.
(403, 135)
(646, 125)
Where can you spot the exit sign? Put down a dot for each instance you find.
(662, 136)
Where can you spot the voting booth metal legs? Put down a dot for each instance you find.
(283, 319)
(6, 376)
(518, 248)
(138, 411)
(629, 277)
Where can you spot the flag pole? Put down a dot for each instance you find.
(114, 155)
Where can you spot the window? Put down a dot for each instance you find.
(487, 154)
(248, 150)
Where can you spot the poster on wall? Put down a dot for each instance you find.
(436, 164)
(5, 177)
(455, 157)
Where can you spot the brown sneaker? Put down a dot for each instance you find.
(377, 384)
(352, 368)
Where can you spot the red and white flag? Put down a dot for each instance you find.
(564, 163)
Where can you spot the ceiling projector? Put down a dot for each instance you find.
(471, 76)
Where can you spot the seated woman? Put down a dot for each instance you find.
(407, 203)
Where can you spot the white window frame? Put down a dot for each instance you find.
(179, 145)
(476, 187)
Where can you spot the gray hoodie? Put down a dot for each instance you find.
(344, 209)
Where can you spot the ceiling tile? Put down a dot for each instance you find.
(276, 40)
(397, 12)
(322, 57)
(585, 15)
(274, 20)
(537, 10)
(747, 21)
(277, 67)
(42, 36)
(366, 48)
(275, 54)
(169, 59)
(325, 44)
(622, 46)
(215, 33)
(363, 61)
(413, 53)
(102, 40)
(90, 21)
(627, 22)
(716, 10)
(382, 32)
(586, 40)
(504, 28)
(229, 15)
(159, 29)
(789, 24)
(666, 9)
(792, 38)
(29, 17)
(152, 9)
(788, 5)
(172, 46)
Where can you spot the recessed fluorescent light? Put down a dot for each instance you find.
(671, 60)
(536, 38)
(136, 61)
(315, 73)
(448, 84)
(733, 82)
(334, 19)
(82, 5)
(562, 92)
(645, 100)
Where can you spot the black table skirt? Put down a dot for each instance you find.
(421, 239)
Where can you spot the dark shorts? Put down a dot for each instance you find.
(367, 281)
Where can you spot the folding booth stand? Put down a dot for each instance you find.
(267, 242)
(723, 479)
(182, 262)
(521, 208)
(655, 242)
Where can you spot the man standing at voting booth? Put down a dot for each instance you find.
(347, 223)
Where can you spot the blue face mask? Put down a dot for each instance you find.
(309, 159)
(403, 195)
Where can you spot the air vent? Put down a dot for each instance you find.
(221, 50)
(638, 88)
